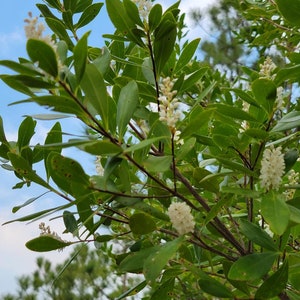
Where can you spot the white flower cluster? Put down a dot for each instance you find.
(35, 30)
(279, 102)
(267, 68)
(293, 178)
(168, 108)
(45, 230)
(144, 7)
(99, 167)
(272, 168)
(181, 217)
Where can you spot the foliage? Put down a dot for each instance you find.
(167, 128)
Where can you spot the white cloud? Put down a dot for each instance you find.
(11, 43)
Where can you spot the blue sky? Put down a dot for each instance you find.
(15, 259)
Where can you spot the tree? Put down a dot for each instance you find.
(197, 175)
(88, 274)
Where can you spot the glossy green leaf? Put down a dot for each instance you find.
(156, 262)
(54, 3)
(70, 222)
(121, 20)
(164, 40)
(70, 4)
(215, 288)
(45, 243)
(143, 144)
(164, 291)
(20, 68)
(187, 54)
(102, 62)
(59, 29)
(133, 12)
(134, 262)
(16, 85)
(275, 211)
(275, 284)
(2, 132)
(257, 235)
(80, 56)
(25, 132)
(89, 14)
(44, 54)
(101, 148)
(127, 103)
(158, 163)
(290, 158)
(264, 91)
(193, 78)
(65, 171)
(233, 112)
(26, 203)
(24, 82)
(95, 92)
(290, 74)
(154, 17)
(23, 168)
(67, 17)
(290, 9)
(288, 121)
(82, 5)
(140, 223)
(253, 266)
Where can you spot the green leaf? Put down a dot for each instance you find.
(121, 20)
(95, 92)
(290, 158)
(233, 112)
(275, 211)
(89, 14)
(288, 121)
(158, 163)
(192, 79)
(44, 54)
(143, 144)
(275, 284)
(59, 29)
(290, 9)
(127, 104)
(20, 68)
(215, 288)
(100, 148)
(154, 17)
(80, 56)
(65, 171)
(164, 40)
(290, 74)
(29, 201)
(188, 146)
(23, 168)
(133, 291)
(187, 54)
(16, 85)
(134, 262)
(264, 91)
(70, 222)
(2, 132)
(23, 82)
(140, 223)
(155, 263)
(45, 243)
(257, 235)
(133, 12)
(252, 267)
(164, 291)
(25, 132)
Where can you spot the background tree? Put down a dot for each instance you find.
(88, 274)
(198, 175)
